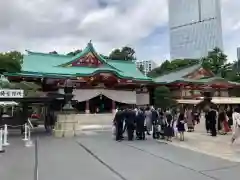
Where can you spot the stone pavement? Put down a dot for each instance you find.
(219, 146)
(95, 155)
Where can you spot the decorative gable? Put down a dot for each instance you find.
(199, 74)
(89, 60)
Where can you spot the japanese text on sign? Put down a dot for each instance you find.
(11, 93)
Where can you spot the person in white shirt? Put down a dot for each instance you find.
(236, 124)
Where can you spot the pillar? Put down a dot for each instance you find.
(181, 91)
(113, 106)
(87, 110)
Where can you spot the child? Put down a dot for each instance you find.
(181, 125)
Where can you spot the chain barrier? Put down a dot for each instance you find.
(11, 126)
(4, 136)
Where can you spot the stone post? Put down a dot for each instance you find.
(66, 125)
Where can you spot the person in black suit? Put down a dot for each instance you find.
(140, 118)
(118, 122)
(130, 123)
(155, 123)
(211, 116)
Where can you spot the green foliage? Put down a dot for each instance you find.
(236, 66)
(174, 65)
(30, 88)
(216, 61)
(4, 83)
(53, 52)
(163, 97)
(26, 86)
(74, 53)
(126, 53)
(11, 61)
(104, 56)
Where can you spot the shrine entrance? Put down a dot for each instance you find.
(100, 104)
(102, 100)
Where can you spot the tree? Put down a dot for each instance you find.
(163, 97)
(11, 61)
(141, 69)
(104, 56)
(216, 61)
(4, 82)
(126, 53)
(74, 53)
(30, 88)
(168, 66)
(236, 66)
(116, 55)
(53, 52)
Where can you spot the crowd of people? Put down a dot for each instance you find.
(141, 122)
(150, 121)
(222, 121)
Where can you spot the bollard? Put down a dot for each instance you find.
(1, 145)
(5, 136)
(25, 133)
(29, 143)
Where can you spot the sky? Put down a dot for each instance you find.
(67, 25)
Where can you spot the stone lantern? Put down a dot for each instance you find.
(207, 99)
(68, 95)
(67, 123)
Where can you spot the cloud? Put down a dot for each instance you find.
(62, 25)
(231, 27)
(43, 25)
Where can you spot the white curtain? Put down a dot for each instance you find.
(142, 99)
(83, 94)
(127, 97)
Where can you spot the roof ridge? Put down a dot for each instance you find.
(179, 69)
(87, 49)
(46, 54)
(125, 61)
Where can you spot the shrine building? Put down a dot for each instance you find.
(101, 84)
(189, 83)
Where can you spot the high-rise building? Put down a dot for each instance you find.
(238, 53)
(195, 27)
(147, 65)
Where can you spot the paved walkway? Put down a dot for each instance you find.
(219, 146)
(198, 141)
(95, 155)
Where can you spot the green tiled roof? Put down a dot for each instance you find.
(177, 75)
(54, 65)
(208, 80)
